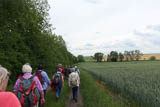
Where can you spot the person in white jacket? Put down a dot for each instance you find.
(74, 82)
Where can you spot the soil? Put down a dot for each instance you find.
(72, 103)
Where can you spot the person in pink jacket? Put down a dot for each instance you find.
(27, 70)
(7, 99)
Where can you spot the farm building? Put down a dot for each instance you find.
(143, 57)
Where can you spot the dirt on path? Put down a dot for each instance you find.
(72, 103)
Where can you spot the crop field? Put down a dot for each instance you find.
(137, 81)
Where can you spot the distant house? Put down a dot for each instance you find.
(143, 57)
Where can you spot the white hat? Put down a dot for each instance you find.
(59, 64)
(26, 68)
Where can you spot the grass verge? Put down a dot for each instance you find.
(96, 96)
(51, 97)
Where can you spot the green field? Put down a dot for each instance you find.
(137, 81)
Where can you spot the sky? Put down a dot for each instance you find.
(90, 26)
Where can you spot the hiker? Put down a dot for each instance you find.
(28, 88)
(43, 77)
(74, 82)
(58, 82)
(20, 75)
(7, 99)
(76, 69)
(60, 66)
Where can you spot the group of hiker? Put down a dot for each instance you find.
(30, 89)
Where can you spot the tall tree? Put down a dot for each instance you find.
(80, 58)
(25, 36)
(121, 57)
(114, 56)
(98, 56)
(138, 54)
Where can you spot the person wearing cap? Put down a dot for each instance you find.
(74, 82)
(7, 99)
(76, 69)
(58, 86)
(27, 70)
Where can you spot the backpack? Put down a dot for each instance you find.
(57, 78)
(28, 93)
(74, 80)
(39, 75)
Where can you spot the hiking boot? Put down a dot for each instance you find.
(76, 100)
(57, 98)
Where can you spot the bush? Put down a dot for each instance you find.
(152, 58)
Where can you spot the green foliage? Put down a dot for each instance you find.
(137, 81)
(81, 58)
(152, 58)
(121, 57)
(132, 55)
(25, 36)
(98, 56)
(94, 95)
(114, 56)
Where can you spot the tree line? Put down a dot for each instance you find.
(114, 56)
(26, 36)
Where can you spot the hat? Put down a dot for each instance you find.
(59, 64)
(26, 68)
(75, 67)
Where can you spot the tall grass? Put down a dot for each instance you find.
(137, 81)
(94, 95)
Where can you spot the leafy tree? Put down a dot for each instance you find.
(114, 56)
(80, 58)
(121, 57)
(25, 36)
(132, 55)
(138, 54)
(108, 58)
(98, 56)
(152, 58)
(127, 55)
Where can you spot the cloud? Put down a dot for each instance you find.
(92, 1)
(154, 27)
(90, 26)
(98, 33)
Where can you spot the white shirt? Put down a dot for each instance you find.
(76, 75)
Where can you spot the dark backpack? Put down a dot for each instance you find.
(28, 93)
(57, 78)
(39, 75)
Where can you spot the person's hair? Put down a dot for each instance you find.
(40, 67)
(26, 68)
(59, 70)
(4, 74)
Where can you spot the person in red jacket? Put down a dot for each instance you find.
(60, 66)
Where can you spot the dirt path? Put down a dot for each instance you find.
(72, 103)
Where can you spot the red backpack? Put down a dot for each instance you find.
(39, 75)
(28, 93)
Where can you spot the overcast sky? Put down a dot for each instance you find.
(90, 26)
